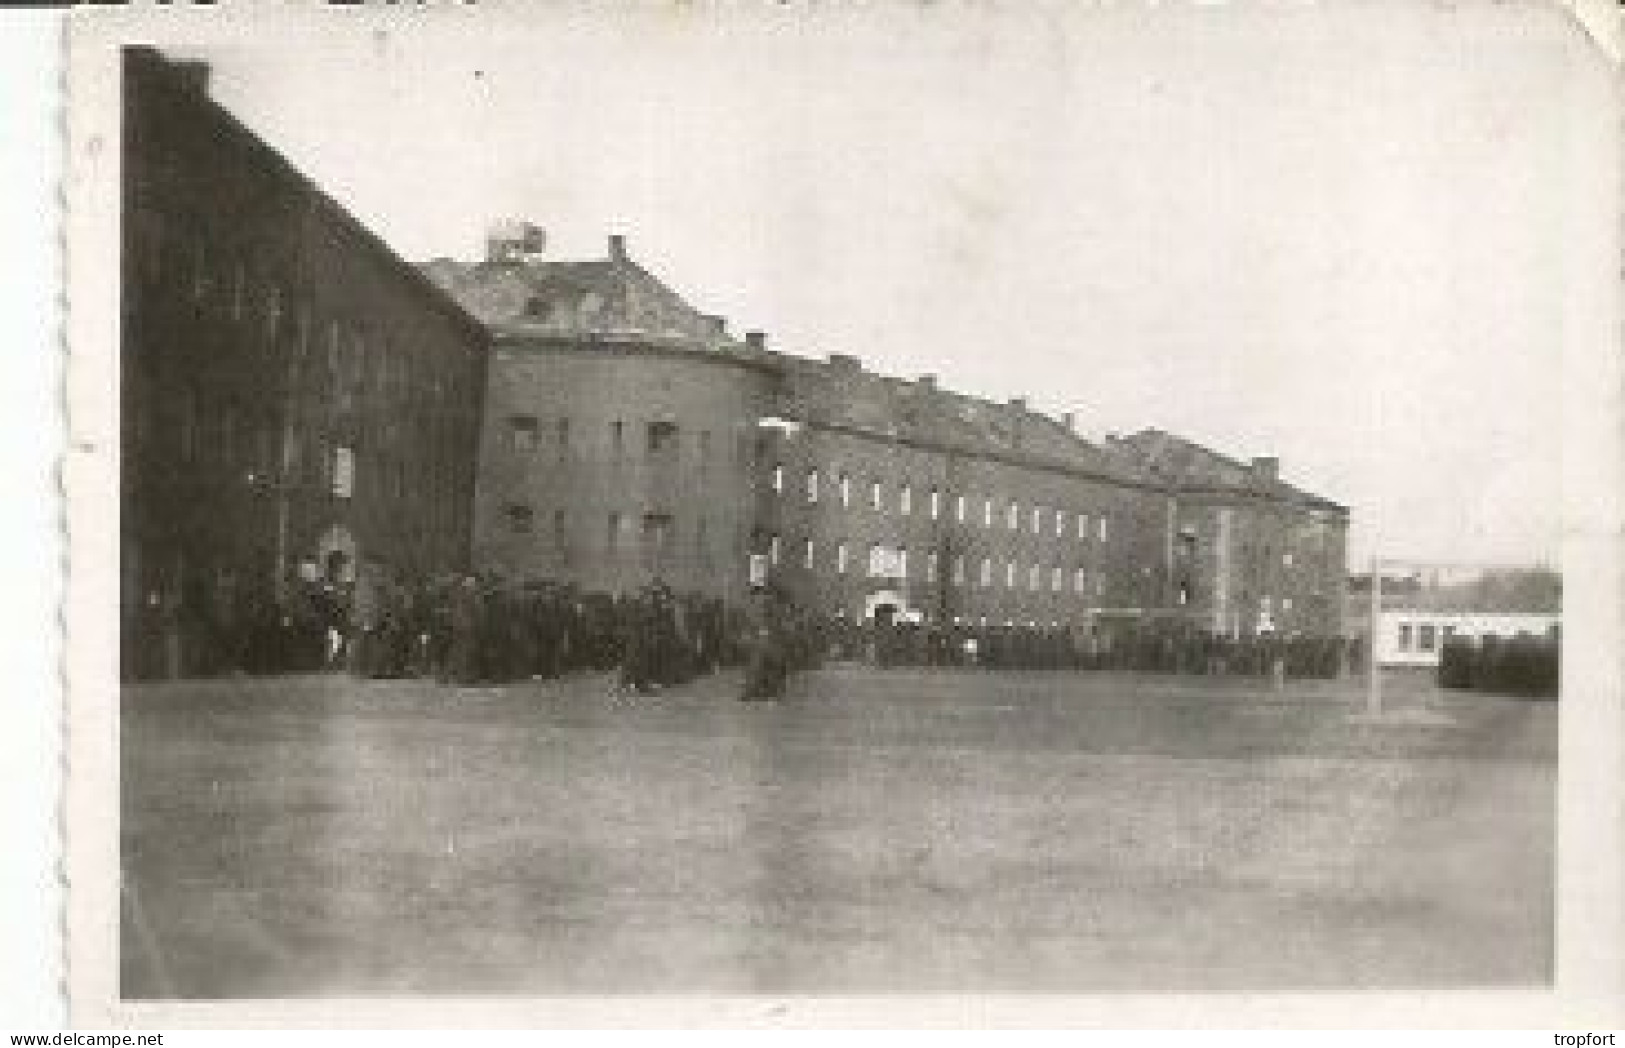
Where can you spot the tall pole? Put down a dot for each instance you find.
(1373, 695)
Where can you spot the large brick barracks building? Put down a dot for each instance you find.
(628, 436)
(299, 404)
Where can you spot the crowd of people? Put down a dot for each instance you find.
(1152, 647)
(472, 629)
(483, 629)
(466, 629)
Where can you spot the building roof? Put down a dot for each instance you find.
(614, 299)
(1190, 466)
(598, 296)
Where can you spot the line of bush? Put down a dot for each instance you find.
(1524, 665)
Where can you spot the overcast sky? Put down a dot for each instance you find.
(1335, 236)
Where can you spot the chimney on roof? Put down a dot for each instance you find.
(845, 362)
(513, 242)
(715, 325)
(1018, 421)
(617, 247)
(927, 383)
(755, 340)
(1070, 421)
(1267, 468)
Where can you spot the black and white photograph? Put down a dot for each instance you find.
(872, 501)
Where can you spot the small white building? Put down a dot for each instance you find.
(1408, 637)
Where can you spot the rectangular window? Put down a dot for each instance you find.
(1105, 531)
(361, 365)
(812, 487)
(335, 359)
(343, 472)
(1032, 577)
(959, 571)
(778, 478)
(840, 559)
(987, 513)
(1079, 580)
(239, 281)
(936, 503)
(273, 312)
(902, 562)
(1060, 524)
(985, 575)
(775, 547)
(522, 432)
(905, 500)
(1404, 636)
(662, 438)
(877, 561)
(1055, 580)
(1012, 516)
(520, 518)
(1038, 517)
(659, 532)
(1426, 637)
(1009, 574)
(807, 553)
(959, 508)
(930, 567)
(200, 271)
(846, 491)
(1083, 525)
(874, 494)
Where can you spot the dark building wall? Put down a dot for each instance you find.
(717, 486)
(290, 388)
(1249, 560)
(657, 441)
(981, 535)
(1152, 527)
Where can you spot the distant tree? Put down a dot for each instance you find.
(1538, 589)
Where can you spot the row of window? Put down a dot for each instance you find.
(659, 532)
(1037, 518)
(219, 439)
(1423, 636)
(894, 562)
(525, 433)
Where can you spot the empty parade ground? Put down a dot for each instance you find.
(904, 831)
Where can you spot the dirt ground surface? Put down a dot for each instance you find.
(896, 831)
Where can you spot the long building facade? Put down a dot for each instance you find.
(296, 398)
(300, 405)
(630, 437)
